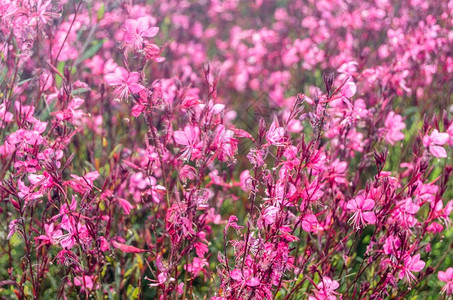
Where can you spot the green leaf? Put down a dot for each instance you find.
(79, 91)
(128, 272)
(136, 292)
(58, 79)
(24, 81)
(101, 12)
(92, 50)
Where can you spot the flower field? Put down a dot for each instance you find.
(226, 149)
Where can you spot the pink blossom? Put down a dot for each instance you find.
(391, 245)
(5, 116)
(187, 173)
(310, 223)
(125, 205)
(13, 228)
(349, 89)
(126, 248)
(246, 181)
(447, 277)
(275, 135)
(434, 143)
(362, 208)
(232, 222)
(225, 143)
(124, 82)
(197, 266)
(411, 264)
(393, 127)
(84, 183)
(52, 235)
(189, 138)
(138, 29)
(256, 157)
(326, 289)
(405, 213)
(86, 281)
(269, 215)
(152, 52)
(245, 277)
(26, 193)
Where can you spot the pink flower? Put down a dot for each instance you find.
(86, 281)
(201, 249)
(136, 30)
(325, 289)
(349, 89)
(245, 277)
(187, 173)
(434, 142)
(197, 266)
(125, 205)
(124, 82)
(152, 52)
(232, 222)
(13, 227)
(5, 116)
(256, 157)
(246, 181)
(361, 207)
(275, 135)
(52, 235)
(84, 183)
(393, 127)
(225, 143)
(126, 248)
(405, 213)
(310, 224)
(446, 276)
(104, 244)
(270, 214)
(189, 138)
(391, 244)
(411, 264)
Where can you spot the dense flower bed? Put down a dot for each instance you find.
(226, 149)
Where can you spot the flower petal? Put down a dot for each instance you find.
(438, 151)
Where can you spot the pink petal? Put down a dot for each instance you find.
(136, 88)
(113, 79)
(133, 77)
(151, 32)
(253, 282)
(137, 109)
(442, 276)
(418, 266)
(180, 138)
(349, 89)
(439, 138)
(368, 204)
(192, 133)
(130, 25)
(125, 205)
(449, 273)
(122, 72)
(236, 275)
(142, 24)
(438, 151)
(369, 217)
(126, 248)
(352, 204)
